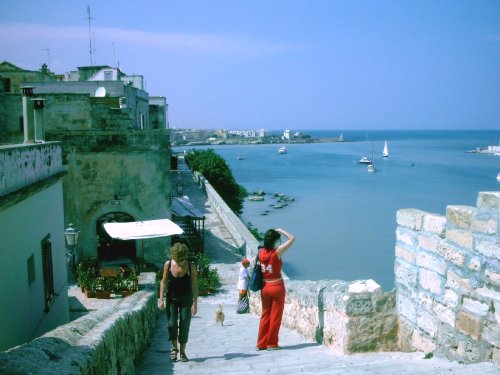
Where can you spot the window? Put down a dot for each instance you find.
(30, 263)
(48, 272)
(108, 75)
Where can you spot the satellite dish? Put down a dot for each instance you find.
(100, 92)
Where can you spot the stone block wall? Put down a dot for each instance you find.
(105, 341)
(349, 317)
(447, 276)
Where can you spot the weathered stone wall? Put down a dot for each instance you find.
(448, 280)
(106, 341)
(116, 171)
(349, 317)
(23, 165)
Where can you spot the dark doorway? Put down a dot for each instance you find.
(109, 248)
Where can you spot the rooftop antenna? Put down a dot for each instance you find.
(90, 34)
(94, 49)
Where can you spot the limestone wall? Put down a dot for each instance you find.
(349, 317)
(105, 341)
(447, 272)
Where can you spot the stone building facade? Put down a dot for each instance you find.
(33, 281)
(118, 165)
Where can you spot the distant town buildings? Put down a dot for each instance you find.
(193, 137)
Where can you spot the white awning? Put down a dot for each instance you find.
(137, 230)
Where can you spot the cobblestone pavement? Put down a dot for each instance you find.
(230, 349)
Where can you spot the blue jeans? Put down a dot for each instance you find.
(179, 317)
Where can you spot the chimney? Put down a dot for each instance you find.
(39, 124)
(28, 114)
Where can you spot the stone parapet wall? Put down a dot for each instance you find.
(105, 341)
(447, 271)
(26, 164)
(349, 317)
(245, 240)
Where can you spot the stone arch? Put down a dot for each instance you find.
(109, 248)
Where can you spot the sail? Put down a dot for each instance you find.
(385, 153)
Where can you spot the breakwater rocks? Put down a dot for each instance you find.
(105, 341)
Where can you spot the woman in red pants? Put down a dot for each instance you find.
(273, 292)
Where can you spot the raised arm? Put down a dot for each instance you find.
(285, 245)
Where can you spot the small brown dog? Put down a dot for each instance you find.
(219, 315)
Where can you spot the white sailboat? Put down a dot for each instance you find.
(371, 166)
(385, 153)
(498, 176)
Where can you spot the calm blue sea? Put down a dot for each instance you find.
(344, 218)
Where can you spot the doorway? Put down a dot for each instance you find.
(109, 248)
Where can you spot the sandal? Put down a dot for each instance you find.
(173, 355)
(184, 357)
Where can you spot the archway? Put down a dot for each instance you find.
(108, 248)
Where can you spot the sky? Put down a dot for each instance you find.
(280, 64)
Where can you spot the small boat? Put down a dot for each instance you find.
(239, 157)
(256, 198)
(498, 176)
(385, 153)
(364, 160)
(371, 166)
(282, 150)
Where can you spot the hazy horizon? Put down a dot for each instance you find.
(280, 64)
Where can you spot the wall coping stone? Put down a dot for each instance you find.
(94, 343)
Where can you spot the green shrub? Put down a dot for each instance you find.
(215, 169)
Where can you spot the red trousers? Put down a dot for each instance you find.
(273, 304)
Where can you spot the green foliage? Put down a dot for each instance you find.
(259, 236)
(208, 277)
(215, 169)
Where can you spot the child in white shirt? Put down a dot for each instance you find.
(243, 279)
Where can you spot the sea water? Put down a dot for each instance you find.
(344, 217)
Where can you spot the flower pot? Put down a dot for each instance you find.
(90, 294)
(103, 295)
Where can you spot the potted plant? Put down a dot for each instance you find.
(82, 277)
(129, 283)
(90, 287)
(104, 287)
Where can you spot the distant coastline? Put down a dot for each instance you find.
(192, 137)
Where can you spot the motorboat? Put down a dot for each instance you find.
(256, 198)
(364, 160)
(239, 157)
(282, 150)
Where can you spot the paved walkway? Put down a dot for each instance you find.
(230, 349)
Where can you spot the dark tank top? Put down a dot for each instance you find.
(178, 286)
